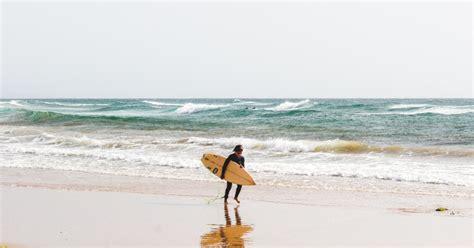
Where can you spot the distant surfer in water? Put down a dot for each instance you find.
(239, 159)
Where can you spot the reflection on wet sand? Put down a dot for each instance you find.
(227, 235)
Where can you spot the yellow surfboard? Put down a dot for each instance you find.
(234, 173)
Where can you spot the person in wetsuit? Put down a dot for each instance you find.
(239, 159)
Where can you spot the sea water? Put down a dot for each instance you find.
(420, 141)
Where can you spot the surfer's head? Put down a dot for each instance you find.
(238, 149)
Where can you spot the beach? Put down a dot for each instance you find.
(44, 208)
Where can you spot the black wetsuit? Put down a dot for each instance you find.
(239, 160)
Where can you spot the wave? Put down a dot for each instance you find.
(29, 117)
(408, 106)
(155, 103)
(328, 146)
(151, 164)
(13, 103)
(41, 104)
(444, 110)
(190, 108)
(16, 103)
(287, 105)
(81, 141)
(36, 116)
(75, 104)
(429, 109)
(278, 145)
(130, 158)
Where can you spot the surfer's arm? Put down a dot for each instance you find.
(224, 167)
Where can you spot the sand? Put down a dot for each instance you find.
(44, 208)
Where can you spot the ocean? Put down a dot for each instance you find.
(290, 142)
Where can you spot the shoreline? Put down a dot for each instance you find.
(394, 201)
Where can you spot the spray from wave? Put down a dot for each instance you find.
(287, 105)
(190, 108)
(12, 103)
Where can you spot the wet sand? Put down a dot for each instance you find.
(83, 210)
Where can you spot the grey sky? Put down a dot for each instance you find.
(310, 49)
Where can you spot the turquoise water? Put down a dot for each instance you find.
(429, 122)
(419, 140)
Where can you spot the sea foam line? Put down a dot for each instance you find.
(130, 163)
(408, 106)
(328, 146)
(429, 109)
(75, 104)
(155, 103)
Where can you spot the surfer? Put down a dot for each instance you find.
(239, 159)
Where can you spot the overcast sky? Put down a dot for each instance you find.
(168, 50)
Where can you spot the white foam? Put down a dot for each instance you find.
(162, 164)
(76, 104)
(138, 154)
(287, 105)
(155, 103)
(276, 144)
(408, 106)
(190, 108)
(429, 109)
(327, 147)
(444, 110)
(12, 103)
(112, 155)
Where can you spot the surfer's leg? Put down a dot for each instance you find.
(227, 190)
(237, 192)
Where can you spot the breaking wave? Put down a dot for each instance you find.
(190, 108)
(328, 146)
(287, 105)
(12, 103)
(408, 106)
(419, 109)
(443, 110)
(155, 103)
(153, 164)
(66, 104)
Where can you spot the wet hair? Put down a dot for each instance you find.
(238, 148)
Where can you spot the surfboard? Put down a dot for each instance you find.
(234, 173)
